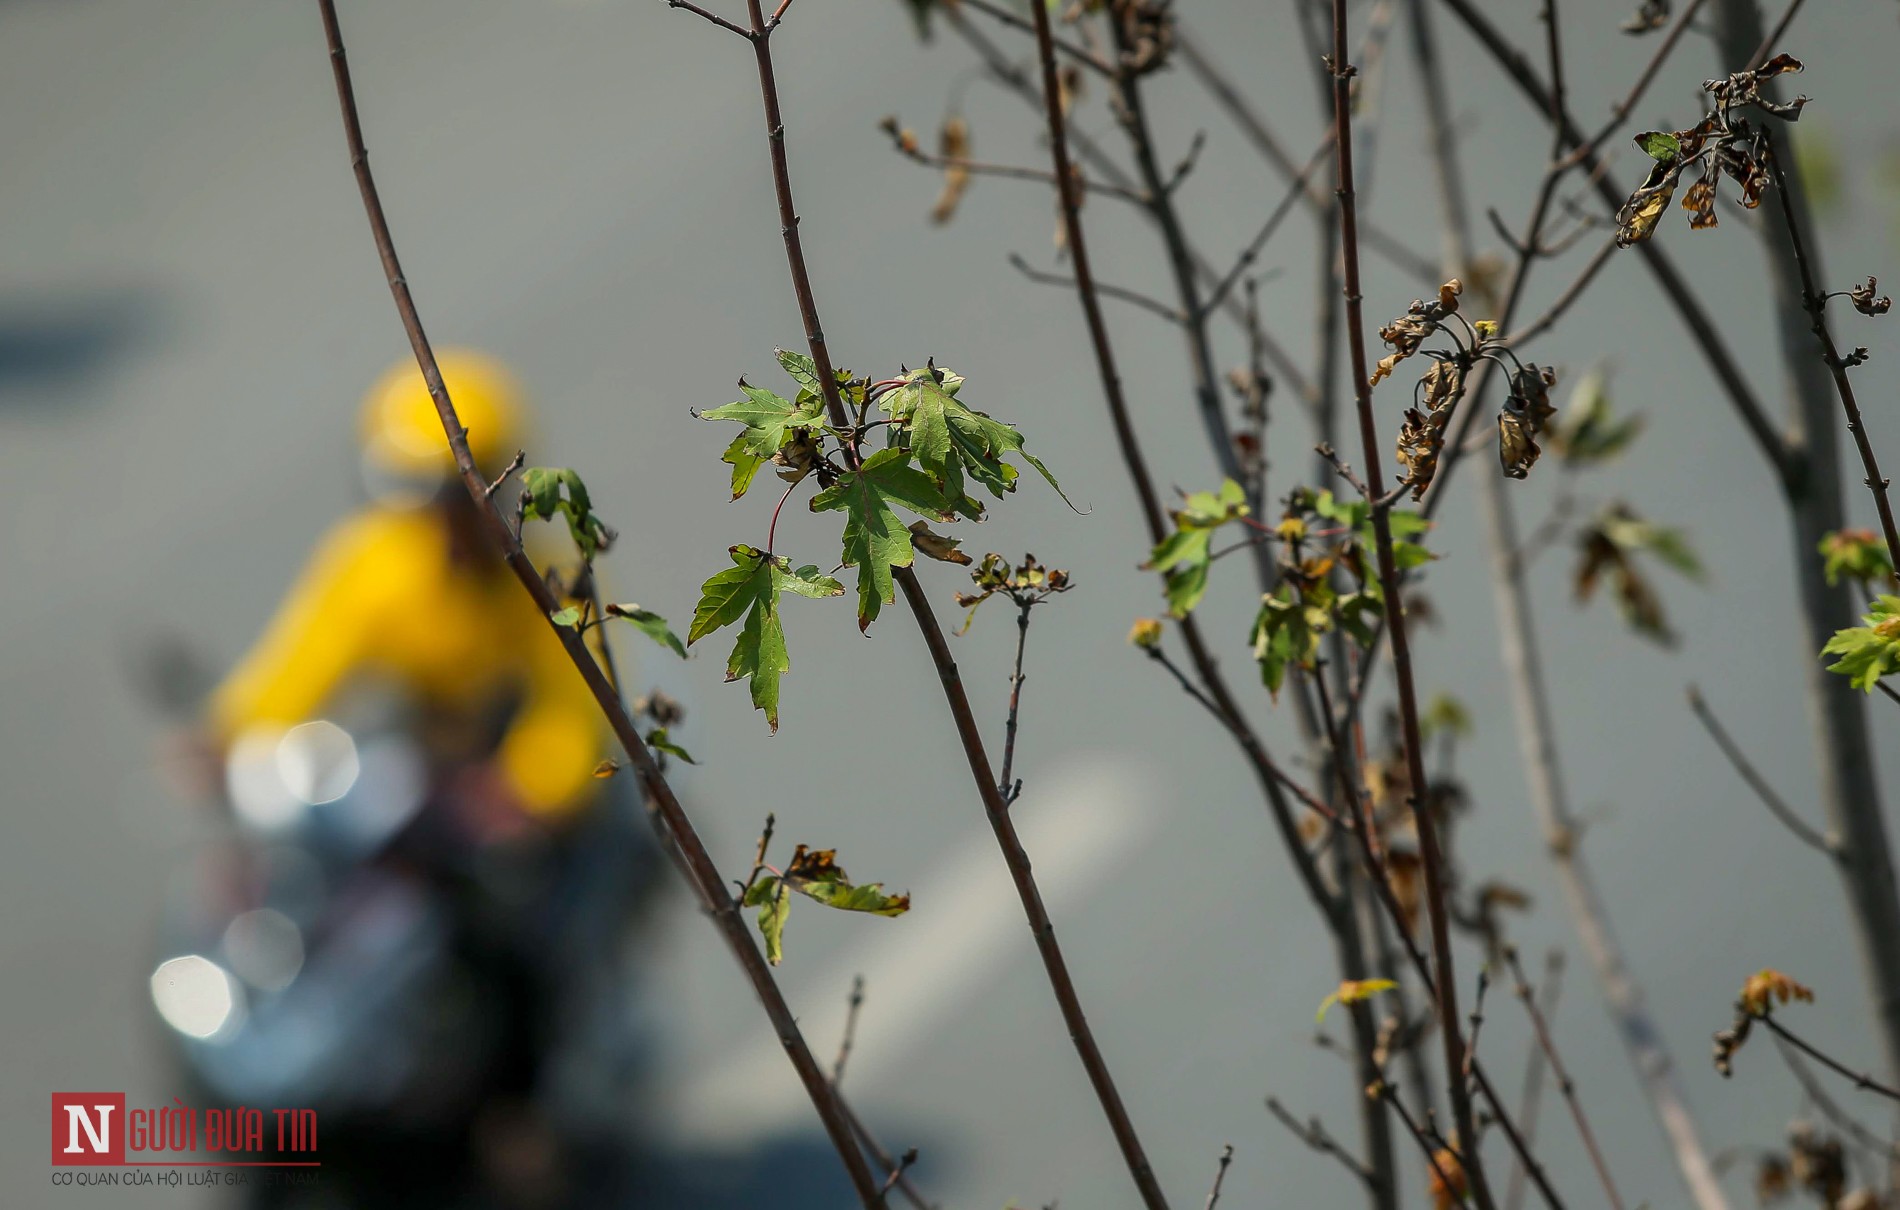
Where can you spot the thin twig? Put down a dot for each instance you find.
(1860, 1079)
(1088, 59)
(1430, 856)
(676, 829)
(1314, 1134)
(1146, 302)
(1571, 294)
(1628, 104)
(1534, 1066)
(1817, 1095)
(1777, 806)
(1009, 789)
(852, 1008)
(1220, 1176)
(1251, 252)
(1390, 1095)
(1565, 1084)
(1815, 302)
(895, 1171)
(995, 808)
(909, 150)
(1519, 1145)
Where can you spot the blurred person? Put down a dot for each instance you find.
(421, 916)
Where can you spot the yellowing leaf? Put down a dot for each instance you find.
(1352, 991)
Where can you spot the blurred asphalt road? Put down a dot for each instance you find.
(189, 307)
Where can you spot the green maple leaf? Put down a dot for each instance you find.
(1183, 557)
(543, 501)
(1872, 651)
(750, 589)
(770, 422)
(650, 624)
(769, 895)
(875, 538)
(951, 440)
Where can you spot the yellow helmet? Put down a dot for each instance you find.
(401, 436)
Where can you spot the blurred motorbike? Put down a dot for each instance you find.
(447, 983)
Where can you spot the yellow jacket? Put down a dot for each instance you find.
(383, 598)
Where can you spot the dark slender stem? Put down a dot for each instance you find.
(896, 1171)
(1830, 1108)
(1088, 59)
(1228, 96)
(1220, 1177)
(1775, 35)
(1519, 1145)
(1571, 294)
(852, 1007)
(1315, 1135)
(1430, 856)
(1152, 305)
(1565, 1084)
(994, 806)
(1815, 302)
(1385, 1092)
(1630, 99)
(1777, 806)
(1861, 1080)
(1251, 252)
(1006, 171)
(711, 16)
(1004, 785)
(676, 830)
(1534, 1081)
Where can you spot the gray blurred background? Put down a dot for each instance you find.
(190, 308)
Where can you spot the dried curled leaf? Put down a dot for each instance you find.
(1651, 15)
(1447, 1183)
(934, 545)
(1525, 413)
(953, 143)
(1422, 436)
(1409, 330)
(1866, 301)
(1768, 987)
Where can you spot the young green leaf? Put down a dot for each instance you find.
(875, 538)
(1659, 145)
(1184, 556)
(1872, 651)
(543, 501)
(1590, 434)
(952, 441)
(650, 624)
(768, 894)
(771, 423)
(657, 739)
(750, 589)
(1858, 555)
(569, 617)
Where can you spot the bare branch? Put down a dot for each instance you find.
(676, 830)
(1777, 806)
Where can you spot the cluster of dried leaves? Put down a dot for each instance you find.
(1527, 408)
(1028, 584)
(1723, 142)
(1763, 990)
